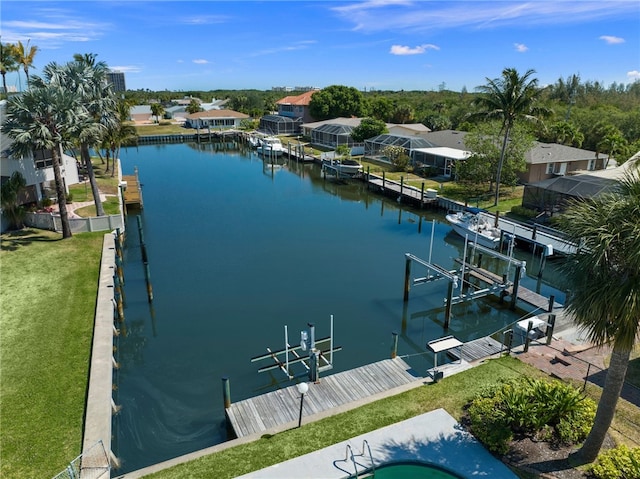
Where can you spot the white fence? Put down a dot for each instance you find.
(52, 222)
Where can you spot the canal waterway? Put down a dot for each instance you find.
(238, 250)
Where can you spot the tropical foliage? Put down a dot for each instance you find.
(337, 101)
(603, 276)
(368, 128)
(621, 462)
(9, 194)
(549, 410)
(509, 99)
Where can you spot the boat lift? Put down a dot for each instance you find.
(316, 361)
(457, 280)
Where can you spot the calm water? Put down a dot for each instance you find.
(236, 252)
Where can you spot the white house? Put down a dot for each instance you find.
(216, 119)
(37, 170)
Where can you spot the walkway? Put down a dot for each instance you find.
(434, 438)
(565, 360)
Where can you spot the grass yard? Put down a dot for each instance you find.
(47, 305)
(451, 394)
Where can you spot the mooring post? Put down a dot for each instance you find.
(552, 301)
(368, 177)
(147, 275)
(508, 339)
(422, 195)
(226, 392)
(496, 221)
(551, 324)
(407, 278)
(527, 338)
(383, 180)
(447, 309)
(401, 188)
(516, 285)
(394, 350)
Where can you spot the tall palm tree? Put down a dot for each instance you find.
(25, 55)
(45, 117)
(122, 133)
(88, 78)
(8, 63)
(604, 278)
(509, 99)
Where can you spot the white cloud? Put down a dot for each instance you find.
(420, 16)
(611, 40)
(200, 61)
(633, 75)
(521, 47)
(420, 49)
(205, 20)
(125, 68)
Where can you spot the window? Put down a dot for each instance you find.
(592, 165)
(42, 158)
(549, 168)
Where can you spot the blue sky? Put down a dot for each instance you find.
(375, 44)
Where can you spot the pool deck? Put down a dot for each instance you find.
(434, 437)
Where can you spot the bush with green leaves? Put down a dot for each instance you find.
(620, 462)
(549, 410)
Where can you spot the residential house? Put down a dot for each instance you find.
(408, 129)
(553, 194)
(544, 160)
(216, 119)
(293, 111)
(141, 114)
(37, 170)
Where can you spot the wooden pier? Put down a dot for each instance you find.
(402, 192)
(280, 408)
(132, 193)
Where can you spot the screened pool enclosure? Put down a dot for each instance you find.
(280, 125)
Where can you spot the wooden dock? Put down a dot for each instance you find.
(132, 195)
(402, 192)
(279, 408)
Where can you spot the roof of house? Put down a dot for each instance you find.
(414, 127)
(140, 110)
(300, 100)
(543, 153)
(217, 114)
(353, 122)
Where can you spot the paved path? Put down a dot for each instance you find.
(566, 360)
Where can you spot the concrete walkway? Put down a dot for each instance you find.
(433, 438)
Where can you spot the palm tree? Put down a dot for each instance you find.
(117, 135)
(509, 99)
(88, 79)
(604, 279)
(156, 110)
(8, 63)
(25, 55)
(45, 117)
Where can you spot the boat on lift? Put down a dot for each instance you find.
(475, 227)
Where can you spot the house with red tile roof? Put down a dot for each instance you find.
(293, 111)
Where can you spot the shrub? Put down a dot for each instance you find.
(549, 410)
(524, 212)
(489, 425)
(618, 463)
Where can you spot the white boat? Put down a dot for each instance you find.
(271, 146)
(476, 227)
(342, 167)
(255, 141)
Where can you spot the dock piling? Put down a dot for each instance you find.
(394, 349)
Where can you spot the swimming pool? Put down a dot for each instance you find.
(409, 470)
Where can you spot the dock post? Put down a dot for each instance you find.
(368, 177)
(508, 340)
(527, 339)
(226, 392)
(496, 221)
(516, 285)
(383, 179)
(401, 188)
(407, 278)
(394, 350)
(447, 309)
(422, 195)
(551, 324)
(552, 300)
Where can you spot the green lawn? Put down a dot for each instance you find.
(47, 304)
